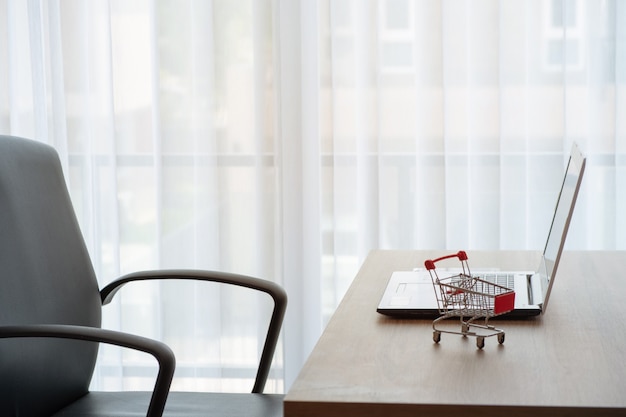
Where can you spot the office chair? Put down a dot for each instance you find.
(50, 309)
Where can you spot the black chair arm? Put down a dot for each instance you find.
(161, 352)
(277, 293)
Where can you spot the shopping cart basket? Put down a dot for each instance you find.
(470, 298)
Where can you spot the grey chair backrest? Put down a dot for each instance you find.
(46, 277)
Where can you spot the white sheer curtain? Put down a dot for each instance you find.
(163, 114)
(286, 139)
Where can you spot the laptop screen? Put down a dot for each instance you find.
(561, 220)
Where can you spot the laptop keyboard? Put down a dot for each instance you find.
(505, 280)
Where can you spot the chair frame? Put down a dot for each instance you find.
(160, 351)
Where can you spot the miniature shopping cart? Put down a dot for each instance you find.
(470, 298)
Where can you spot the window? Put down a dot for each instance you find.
(396, 36)
(563, 35)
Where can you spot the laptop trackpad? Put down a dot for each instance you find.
(413, 289)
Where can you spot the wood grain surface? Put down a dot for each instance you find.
(569, 361)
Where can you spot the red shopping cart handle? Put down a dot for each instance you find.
(430, 263)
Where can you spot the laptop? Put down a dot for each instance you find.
(411, 293)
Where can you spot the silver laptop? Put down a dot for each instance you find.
(411, 293)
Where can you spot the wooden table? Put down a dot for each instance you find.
(569, 361)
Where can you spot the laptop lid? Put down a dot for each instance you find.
(560, 222)
(419, 300)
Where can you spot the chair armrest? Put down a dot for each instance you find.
(277, 293)
(161, 352)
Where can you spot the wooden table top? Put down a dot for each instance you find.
(570, 360)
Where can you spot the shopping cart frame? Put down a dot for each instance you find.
(470, 298)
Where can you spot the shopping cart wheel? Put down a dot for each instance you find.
(480, 342)
(500, 338)
(436, 336)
